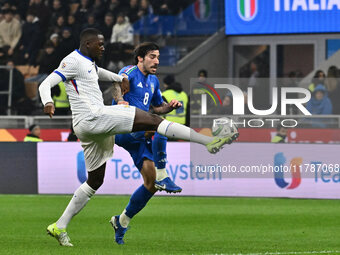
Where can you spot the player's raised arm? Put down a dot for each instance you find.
(45, 92)
(165, 108)
(106, 75)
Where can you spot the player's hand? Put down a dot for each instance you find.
(149, 134)
(125, 86)
(123, 102)
(175, 104)
(49, 109)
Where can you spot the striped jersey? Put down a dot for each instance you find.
(144, 90)
(80, 75)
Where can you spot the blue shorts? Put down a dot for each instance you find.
(138, 147)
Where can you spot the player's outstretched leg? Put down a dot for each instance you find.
(145, 121)
(163, 181)
(80, 198)
(137, 201)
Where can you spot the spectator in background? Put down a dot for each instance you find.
(122, 31)
(174, 90)
(121, 41)
(98, 10)
(202, 75)
(34, 134)
(331, 82)
(165, 7)
(55, 40)
(58, 10)
(48, 61)
(195, 100)
(91, 22)
(57, 27)
(67, 43)
(145, 8)
(10, 32)
(319, 103)
(82, 12)
(43, 13)
(113, 6)
(30, 41)
(227, 105)
(107, 27)
(281, 134)
(332, 86)
(19, 99)
(75, 27)
(319, 78)
(169, 79)
(60, 99)
(132, 12)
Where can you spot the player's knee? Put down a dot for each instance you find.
(149, 174)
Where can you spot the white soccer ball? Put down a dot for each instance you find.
(223, 127)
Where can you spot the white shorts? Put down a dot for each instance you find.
(96, 132)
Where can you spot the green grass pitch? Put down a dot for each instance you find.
(174, 225)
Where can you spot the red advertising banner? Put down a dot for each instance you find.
(263, 135)
(293, 136)
(18, 135)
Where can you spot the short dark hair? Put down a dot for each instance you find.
(203, 72)
(33, 126)
(87, 33)
(143, 49)
(169, 79)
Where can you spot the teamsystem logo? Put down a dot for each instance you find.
(247, 9)
(238, 104)
(280, 168)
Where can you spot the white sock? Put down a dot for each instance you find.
(124, 220)
(178, 131)
(80, 198)
(161, 174)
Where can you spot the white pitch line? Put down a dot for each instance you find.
(285, 253)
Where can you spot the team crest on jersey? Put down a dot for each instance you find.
(63, 65)
(247, 9)
(152, 87)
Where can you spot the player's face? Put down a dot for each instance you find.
(151, 62)
(96, 47)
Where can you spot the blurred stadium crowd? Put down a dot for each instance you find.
(35, 35)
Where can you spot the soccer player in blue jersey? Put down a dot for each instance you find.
(144, 93)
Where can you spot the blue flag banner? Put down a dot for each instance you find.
(246, 17)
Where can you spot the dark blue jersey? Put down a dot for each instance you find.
(144, 90)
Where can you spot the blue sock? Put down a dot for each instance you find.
(137, 201)
(159, 150)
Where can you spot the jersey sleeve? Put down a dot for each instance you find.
(157, 99)
(125, 73)
(67, 69)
